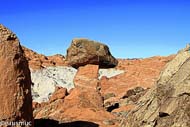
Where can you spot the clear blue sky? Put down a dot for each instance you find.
(131, 28)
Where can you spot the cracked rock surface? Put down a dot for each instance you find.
(167, 104)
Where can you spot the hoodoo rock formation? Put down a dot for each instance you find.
(167, 104)
(101, 96)
(84, 51)
(15, 81)
(87, 77)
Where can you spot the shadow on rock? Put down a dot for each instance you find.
(54, 123)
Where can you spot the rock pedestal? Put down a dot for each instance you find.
(87, 77)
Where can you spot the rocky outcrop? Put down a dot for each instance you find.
(38, 61)
(133, 73)
(83, 103)
(45, 80)
(84, 51)
(167, 104)
(15, 83)
(102, 96)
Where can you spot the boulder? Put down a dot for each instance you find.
(15, 83)
(167, 104)
(84, 51)
(59, 93)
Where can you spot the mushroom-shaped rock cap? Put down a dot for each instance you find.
(84, 51)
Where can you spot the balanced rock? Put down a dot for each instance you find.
(15, 83)
(84, 51)
(168, 103)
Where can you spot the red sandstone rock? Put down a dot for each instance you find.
(80, 105)
(83, 102)
(38, 61)
(139, 72)
(15, 83)
(35, 105)
(87, 76)
(86, 98)
(58, 60)
(59, 93)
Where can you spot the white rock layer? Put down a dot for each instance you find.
(45, 80)
(111, 72)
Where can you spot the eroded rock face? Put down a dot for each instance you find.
(84, 51)
(167, 104)
(91, 97)
(15, 83)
